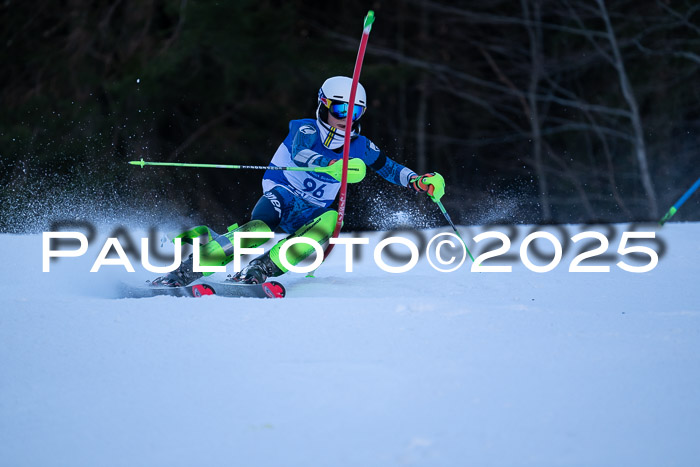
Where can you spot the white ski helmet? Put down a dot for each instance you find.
(335, 92)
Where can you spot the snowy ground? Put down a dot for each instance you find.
(360, 369)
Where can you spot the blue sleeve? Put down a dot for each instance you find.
(387, 168)
(302, 154)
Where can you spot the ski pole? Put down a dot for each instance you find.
(447, 216)
(680, 202)
(356, 168)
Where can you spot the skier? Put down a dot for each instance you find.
(299, 202)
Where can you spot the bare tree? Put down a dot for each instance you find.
(639, 144)
(534, 33)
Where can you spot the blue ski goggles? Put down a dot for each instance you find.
(340, 110)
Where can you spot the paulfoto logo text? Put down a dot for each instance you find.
(445, 252)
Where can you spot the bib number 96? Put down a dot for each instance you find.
(310, 186)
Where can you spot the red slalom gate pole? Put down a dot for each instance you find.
(342, 195)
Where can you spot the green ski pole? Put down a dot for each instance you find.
(356, 168)
(447, 216)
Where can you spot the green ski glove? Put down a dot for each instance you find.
(433, 184)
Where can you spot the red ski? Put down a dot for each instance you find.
(201, 288)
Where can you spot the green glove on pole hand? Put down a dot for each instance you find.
(356, 168)
(433, 184)
(436, 186)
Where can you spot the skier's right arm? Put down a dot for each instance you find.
(302, 154)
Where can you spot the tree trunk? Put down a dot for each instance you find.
(535, 36)
(639, 145)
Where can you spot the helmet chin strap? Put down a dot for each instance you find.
(332, 137)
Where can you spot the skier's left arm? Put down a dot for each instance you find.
(432, 183)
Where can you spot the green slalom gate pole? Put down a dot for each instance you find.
(356, 168)
(680, 202)
(447, 216)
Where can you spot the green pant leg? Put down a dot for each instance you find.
(319, 229)
(219, 251)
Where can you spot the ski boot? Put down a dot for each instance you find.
(257, 271)
(180, 277)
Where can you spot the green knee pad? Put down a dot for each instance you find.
(219, 250)
(319, 229)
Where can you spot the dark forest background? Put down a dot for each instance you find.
(533, 110)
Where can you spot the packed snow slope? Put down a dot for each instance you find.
(362, 368)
